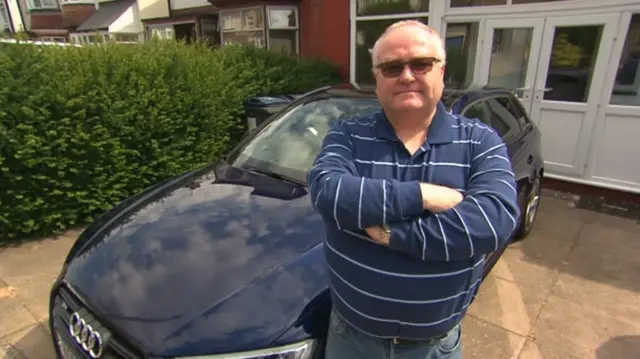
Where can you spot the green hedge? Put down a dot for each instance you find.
(83, 128)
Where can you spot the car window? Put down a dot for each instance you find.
(512, 105)
(290, 144)
(502, 119)
(477, 110)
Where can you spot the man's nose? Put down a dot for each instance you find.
(406, 75)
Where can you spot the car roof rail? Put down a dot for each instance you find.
(315, 91)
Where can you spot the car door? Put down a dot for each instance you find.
(504, 119)
(497, 111)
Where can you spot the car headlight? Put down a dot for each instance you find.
(299, 350)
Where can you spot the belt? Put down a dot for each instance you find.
(404, 341)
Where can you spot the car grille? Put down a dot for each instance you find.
(65, 304)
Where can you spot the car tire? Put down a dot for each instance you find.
(529, 198)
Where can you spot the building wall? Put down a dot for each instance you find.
(186, 4)
(46, 20)
(325, 32)
(128, 22)
(73, 15)
(153, 9)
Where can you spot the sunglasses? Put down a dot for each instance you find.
(418, 66)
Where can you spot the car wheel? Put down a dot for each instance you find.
(530, 205)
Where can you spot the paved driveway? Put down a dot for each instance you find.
(570, 291)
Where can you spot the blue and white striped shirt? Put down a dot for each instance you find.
(422, 284)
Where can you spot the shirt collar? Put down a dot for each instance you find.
(440, 130)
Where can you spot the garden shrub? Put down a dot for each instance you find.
(82, 128)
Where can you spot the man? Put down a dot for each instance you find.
(413, 199)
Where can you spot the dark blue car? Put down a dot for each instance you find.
(226, 261)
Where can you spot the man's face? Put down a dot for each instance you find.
(410, 71)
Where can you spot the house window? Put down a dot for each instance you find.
(283, 29)
(626, 89)
(58, 39)
(209, 31)
(43, 4)
(249, 26)
(243, 26)
(461, 41)
(161, 32)
(126, 37)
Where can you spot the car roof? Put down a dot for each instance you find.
(449, 96)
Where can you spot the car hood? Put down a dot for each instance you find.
(218, 261)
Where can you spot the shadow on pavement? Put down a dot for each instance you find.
(627, 346)
(586, 244)
(32, 343)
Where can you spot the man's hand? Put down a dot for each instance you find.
(376, 233)
(439, 198)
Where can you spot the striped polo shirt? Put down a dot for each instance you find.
(421, 285)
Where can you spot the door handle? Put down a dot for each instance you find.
(530, 159)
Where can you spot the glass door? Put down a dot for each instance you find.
(571, 70)
(509, 57)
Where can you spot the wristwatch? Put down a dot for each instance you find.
(385, 233)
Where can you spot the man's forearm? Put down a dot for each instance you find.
(480, 224)
(357, 203)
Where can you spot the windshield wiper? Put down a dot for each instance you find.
(272, 174)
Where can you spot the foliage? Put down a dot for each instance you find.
(82, 128)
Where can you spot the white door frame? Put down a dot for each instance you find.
(537, 24)
(590, 107)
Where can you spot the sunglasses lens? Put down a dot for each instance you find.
(392, 69)
(420, 66)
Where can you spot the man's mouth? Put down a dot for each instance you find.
(405, 92)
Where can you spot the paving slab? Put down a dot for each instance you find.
(9, 352)
(14, 315)
(607, 254)
(31, 269)
(32, 342)
(567, 329)
(482, 340)
(532, 351)
(509, 303)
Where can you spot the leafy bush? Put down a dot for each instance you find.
(83, 128)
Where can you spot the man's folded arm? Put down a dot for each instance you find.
(481, 223)
(354, 202)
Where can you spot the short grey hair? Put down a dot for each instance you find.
(415, 23)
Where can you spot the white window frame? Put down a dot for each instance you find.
(289, 28)
(64, 2)
(82, 38)
(149, 27)
(53, 4)
(263, 29)
(4, 17)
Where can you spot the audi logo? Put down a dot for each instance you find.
(89, 338)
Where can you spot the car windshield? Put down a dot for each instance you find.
(288, 146)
